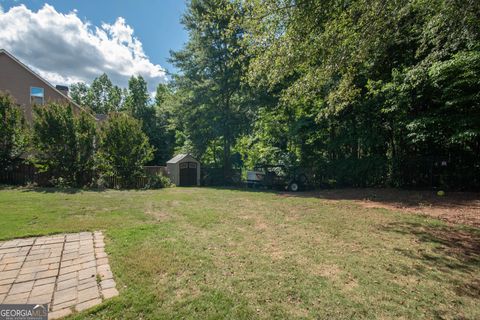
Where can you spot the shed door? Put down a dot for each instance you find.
(188, 174)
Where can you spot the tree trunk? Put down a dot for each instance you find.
(226, 139)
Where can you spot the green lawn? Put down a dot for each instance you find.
(200, 253)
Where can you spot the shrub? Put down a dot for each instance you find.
(158, 181)
(64, 144)
(124, 149)
(13, 132)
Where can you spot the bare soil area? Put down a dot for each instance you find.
(454, 207)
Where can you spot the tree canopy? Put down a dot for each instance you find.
(361, 92)
(213, 106)
(103, 97)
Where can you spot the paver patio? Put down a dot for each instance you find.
(69, 272)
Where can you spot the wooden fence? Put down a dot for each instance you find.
(27, 174)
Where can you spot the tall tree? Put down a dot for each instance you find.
(103, 97)
(79, 93)
(165, 104)
(364, 88)
(138, 104)
(212, 107)
(137, 100)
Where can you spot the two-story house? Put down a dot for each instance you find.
(27, 87)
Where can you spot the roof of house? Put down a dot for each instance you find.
(43, 80)
(180, 157)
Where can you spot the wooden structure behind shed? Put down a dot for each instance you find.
(184, 170)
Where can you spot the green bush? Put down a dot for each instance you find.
(13, 132)
(64, 144)
(124, 149)
(158, 181)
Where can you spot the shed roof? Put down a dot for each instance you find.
(180, 157)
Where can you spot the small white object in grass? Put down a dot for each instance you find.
(441, 193)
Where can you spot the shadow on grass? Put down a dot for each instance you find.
(244, 189)
(454, 250)
(454, 207)
(396, 197)
(48, 189)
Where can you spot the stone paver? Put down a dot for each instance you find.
(70, 272)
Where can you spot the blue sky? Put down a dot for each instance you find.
(149, 29)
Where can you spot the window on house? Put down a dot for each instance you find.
(36, 95)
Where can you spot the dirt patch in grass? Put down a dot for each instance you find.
(160, 211)
(330, 271)
(454, 207)
(350, 283)
(158, 215)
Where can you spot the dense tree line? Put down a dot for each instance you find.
(360, 92)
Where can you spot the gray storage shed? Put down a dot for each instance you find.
(184, 170)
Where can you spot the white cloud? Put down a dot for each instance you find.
(64, 49)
